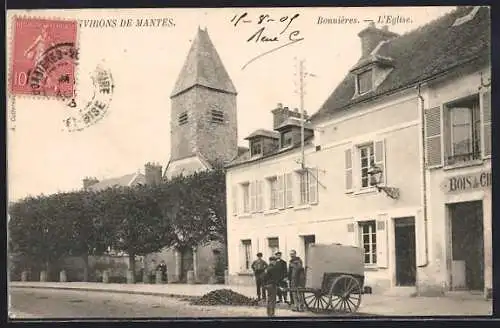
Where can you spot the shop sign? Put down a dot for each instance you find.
(467, 182)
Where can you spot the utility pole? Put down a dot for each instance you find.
(302, 116)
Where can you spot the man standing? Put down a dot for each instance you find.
(281, 264)
(163, 268)
(296, 276)
(259, 266)
(271, 277)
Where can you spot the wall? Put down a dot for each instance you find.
(116, 265)
(436, 275)
(397, 123)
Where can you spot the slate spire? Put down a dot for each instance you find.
(203, 67)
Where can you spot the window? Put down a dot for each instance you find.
(183, 118)
(308, 186)
(304, 187)
(273, 192)
(364, 82)
(286, 139)
(368, 237)
(246, 197)
(465, 131)
(247, 253)
(256, 148)
(217, 116)
(274, 245)
(367, 159)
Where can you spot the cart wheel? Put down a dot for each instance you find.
(316, 301)
(345, 294)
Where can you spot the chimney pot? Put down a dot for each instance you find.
(286, 107)
(280, 105)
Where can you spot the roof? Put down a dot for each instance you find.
(264, 133)
(246, 158)
(421, 54)
(203, 67)
(123, 181)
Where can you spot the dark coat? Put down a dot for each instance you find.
(296, 273)
(281, 264)
(259, 266)
(272, 275)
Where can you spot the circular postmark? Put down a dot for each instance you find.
(54, 72)
(95, 107)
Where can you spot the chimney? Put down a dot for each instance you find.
(372, 36)
(281, 114)
(88, 182)
(153, 173)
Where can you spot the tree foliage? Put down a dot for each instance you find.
(183, 212)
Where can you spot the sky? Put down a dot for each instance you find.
(144, 63)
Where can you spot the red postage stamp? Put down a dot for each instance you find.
(44, 57)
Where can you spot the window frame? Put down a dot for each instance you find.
(304, 195)
(283, 138)
(371, 161)
(256, 142)
(246, 245)
(372, 242)
(217, 116)
(273, 193)
(369, 73)
(183, 118)
(245, 186)
(473, 104)
(273, 250)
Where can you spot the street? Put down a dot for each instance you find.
(46, 303)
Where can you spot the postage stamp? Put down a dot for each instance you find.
(44, 57)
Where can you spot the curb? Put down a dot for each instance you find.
(120, 291)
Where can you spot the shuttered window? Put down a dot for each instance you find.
(348, 170)
(486, 123)
(234, 196)
(312, 176)
(368, 240)
(379, 159)
(273, 193)
(246, 254)
(273, 245)
(259, 195)
(382, 258)
(281, 191)
(246, 197)
(366, 160)
(288, 179)
(433, 149)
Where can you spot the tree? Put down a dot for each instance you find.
(136, 216)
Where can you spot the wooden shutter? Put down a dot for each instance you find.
(379, 148)
(234, 196)
(486, 123)
(420, 241)
(253, 196)
(260, 195)
(312, 175)
(348, 170)
(352, 232)
(382, 242)
(433, 149)
(281, 191)
(288, 189)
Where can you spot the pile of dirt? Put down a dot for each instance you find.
(225, 297)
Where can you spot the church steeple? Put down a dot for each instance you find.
(203, 67)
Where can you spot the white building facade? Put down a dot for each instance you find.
(391, 112)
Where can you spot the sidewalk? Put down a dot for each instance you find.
(370, 304)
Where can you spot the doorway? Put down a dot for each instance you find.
(186, 263)
(467, 245)
(308, 241)
(406, 263)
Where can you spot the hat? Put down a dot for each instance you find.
(272, 258)
(259, 254)
(277, 253)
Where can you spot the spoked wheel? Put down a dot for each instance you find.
(345, 294)
(317, 301)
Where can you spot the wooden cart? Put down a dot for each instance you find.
(334, 279)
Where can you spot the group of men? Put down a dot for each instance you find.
(275, 277)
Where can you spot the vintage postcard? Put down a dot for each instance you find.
(249, 162)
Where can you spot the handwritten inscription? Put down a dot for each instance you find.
(263, 34)
(276, 30)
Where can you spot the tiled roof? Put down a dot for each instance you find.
(428, 51)
(203, 67)
(264, 133)
(123, 181)
(245, 157)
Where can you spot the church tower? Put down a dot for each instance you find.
(203, 121)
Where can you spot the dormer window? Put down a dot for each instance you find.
(286, 139)
(364, 81)
(183, 118)
(217, 116)
(256, 148)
